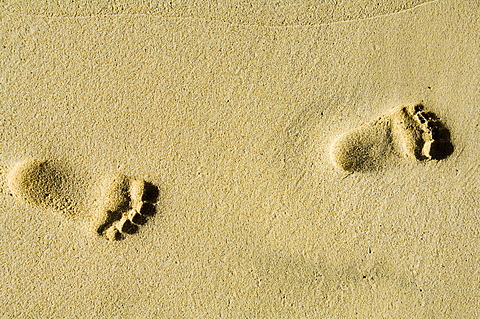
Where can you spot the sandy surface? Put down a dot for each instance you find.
(231, 111)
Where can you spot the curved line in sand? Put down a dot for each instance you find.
(233, 24)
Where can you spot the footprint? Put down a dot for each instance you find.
(119, 206)
(409, 131)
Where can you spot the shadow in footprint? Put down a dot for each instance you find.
(151, 193)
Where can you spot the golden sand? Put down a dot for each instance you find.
(254, 160)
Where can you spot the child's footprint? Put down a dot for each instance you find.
(406, 130)
(119, 206)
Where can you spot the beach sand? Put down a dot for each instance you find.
(289, 184)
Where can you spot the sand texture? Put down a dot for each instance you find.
(239, 159)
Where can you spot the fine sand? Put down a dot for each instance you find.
(240, 159)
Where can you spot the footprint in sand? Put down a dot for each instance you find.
(409, 131)
(113, 209)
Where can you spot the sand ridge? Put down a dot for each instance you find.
(245, 13)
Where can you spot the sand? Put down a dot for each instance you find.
(291, 175)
